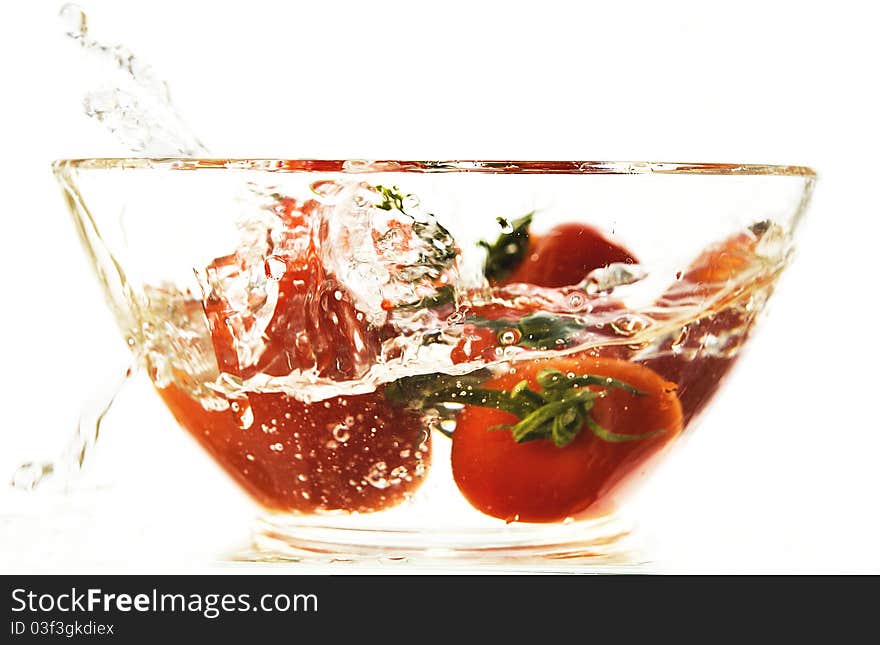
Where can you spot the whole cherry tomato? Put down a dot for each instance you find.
(555, 438)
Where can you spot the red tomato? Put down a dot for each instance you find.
(537, 481)
(700, 377)
(353, 453)
(565, 255)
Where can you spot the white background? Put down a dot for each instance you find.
(782, 474)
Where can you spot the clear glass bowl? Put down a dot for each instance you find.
(461, 361)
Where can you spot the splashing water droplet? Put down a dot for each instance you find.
(73, 18)
(73, 459)
(134, 104)
(30, 475)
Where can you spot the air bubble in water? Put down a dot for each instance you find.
(244, 415)
(341, 432)
(629, 324)
(576, 301)
(376, 477)
(328, 191)
(509, 337)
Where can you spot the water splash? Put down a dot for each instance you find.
(132, 103)
(63, 469)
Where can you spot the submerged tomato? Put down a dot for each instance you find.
(700, 373)
(314, 325)
(539, 481)
(352, 453)
(565, 255)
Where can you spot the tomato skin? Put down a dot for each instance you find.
(294, 456)
(565, 255)
(700, 378)
(538, 482)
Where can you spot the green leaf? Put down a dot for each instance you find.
(558, 412)
(615, 437)
(392, 198)
(537, 330)
(508, 250)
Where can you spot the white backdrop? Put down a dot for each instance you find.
(780, 477)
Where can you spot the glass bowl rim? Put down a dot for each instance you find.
(363, 166)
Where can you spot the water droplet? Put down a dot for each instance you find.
(327, 191)
(376, 477)
(398, 474)
(576, 300)
(341, 431)
(276, 447)
(301, 477)
(249, 457)
(73, 18)
(509, 336)
(28, 476)
(455, 317)
(410, 203)
(244, 415)
(629, 324)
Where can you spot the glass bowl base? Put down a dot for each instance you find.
(599, 545)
